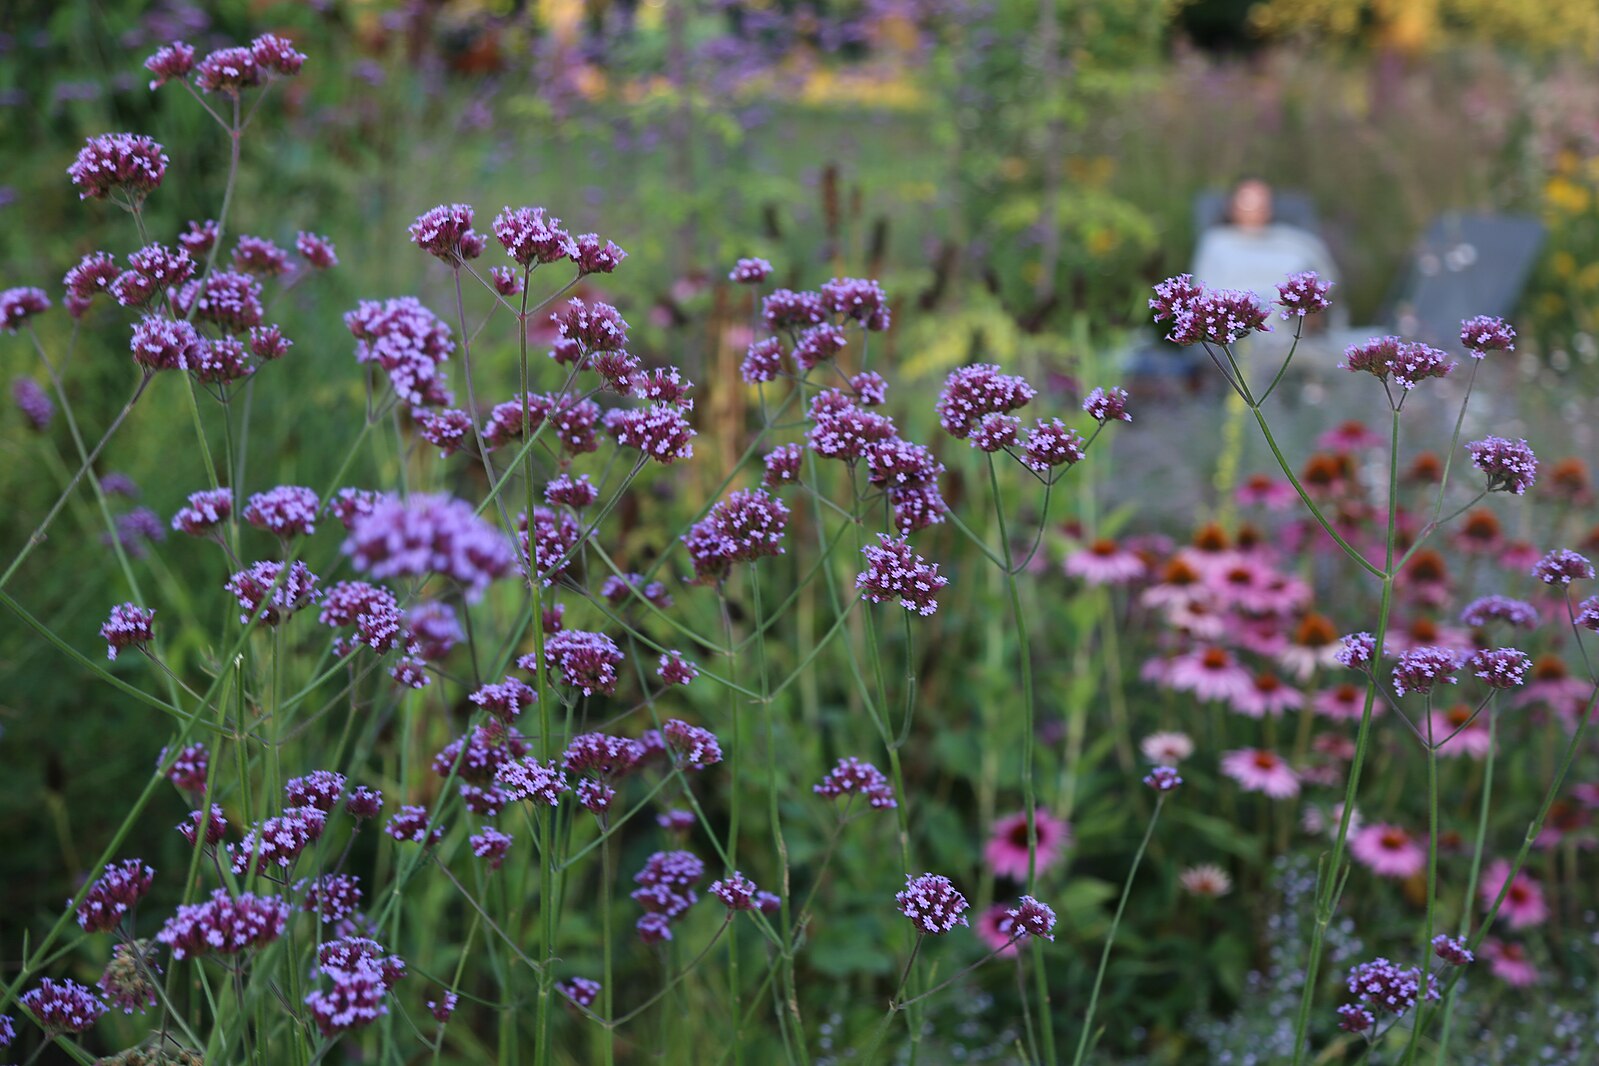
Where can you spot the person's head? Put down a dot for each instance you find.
(1249, 207)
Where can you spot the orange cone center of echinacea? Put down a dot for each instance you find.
(1265, 760)
(1215, 659)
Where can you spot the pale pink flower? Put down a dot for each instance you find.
(1006, 850)
(1206, 879)
(1105, 562)
(1471, 740)
(1388, 851)
(1210, 673)
(995, 927)
(1167, 749)
(1267, 695)
(1524, 904)
(1257, 770)
(1509, 963)
(1344, 703)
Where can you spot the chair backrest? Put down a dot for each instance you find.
(1289, 207)
(1465, 265)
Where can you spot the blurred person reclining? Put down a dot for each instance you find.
(1251, 250)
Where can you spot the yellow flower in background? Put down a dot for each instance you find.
(1565, 196)
(1101, 241)
(1013, 168)
(1094, 171)
(1589, 278)
(1551, 304)
(1563, 263)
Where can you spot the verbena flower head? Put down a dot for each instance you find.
(1163, 779)
(317, 250)
(189, 770)
(126, 983)
(491, 844)
(63, 1006)
(971, 392)
(596, 257)
(200, 237)
(1510, 466)
(94, 274)
(870, 389)
(782, 465)
(259, 255)
(1303, 294)
(530, 238)
(1050, 444)
(899, 464)
(1487, 333)
(1587, 615)
(1407, 364)
(1496, 608)
(817, 345)
(596, 327)
(932, 903)
(429, 534)
(851, 777)
(581, 660)
(506, 699)
(1419, 669)
(785, 309)
(443, 1007)
(372, 610)
(288, 510)
(860, 299)
(129, 163)
(129, 626)
(580, 990)
(432, 630)
(253, 585)
(673, 669)
(1107, 405)
(332, 897)
(161, 343)
(1031, 918)
(409, 342)
(1218, 316)
(227, 298)
(567, 491)
(736, 892)
(214, 821)
(527, 779)
(763, 361)
(1173, 295)
(279, 840)
(694, 747)
(1500, 667)
(746, 526)
(659, 431)
(410, 825)
(445, 232)
(224, 925)
(895, 571)
(1561, 567)
(117, 891)
(750, 271)
(602, 755)
(1389, 988)
(170, 61)
(319, 788)
(995, 432)
(1356, 650)
(1353, 1018)
(1452, 950)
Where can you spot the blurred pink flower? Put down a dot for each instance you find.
(1388, 851)
(994, 928)
(1524, 903)
(1006, 851)
(1257, 770)
(1210, 674)
(1509, 963)
(1105, 562)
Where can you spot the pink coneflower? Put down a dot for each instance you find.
(1260, 490)
(1351, 436)
(1344, 703)
(1311, 645)
(1267, 695)
(1509, 963)
(1472, 740)
(1316, 820)
(1564, 819)
(1258, 770)
(1388, 851)
(1006, 850)
(1524, 904)
(1551, 684)
(1180, 583)
(1207, 880)
(1104, 562)
(1210, 674)
(996, 928)
(1199, 619)
(1167, 749)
